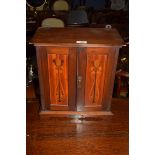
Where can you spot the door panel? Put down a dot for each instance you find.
(97, 78)
(60, 71)
(58, 78)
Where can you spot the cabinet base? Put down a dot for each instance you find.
(76, 114)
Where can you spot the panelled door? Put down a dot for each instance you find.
(96, 69)
(58, 77)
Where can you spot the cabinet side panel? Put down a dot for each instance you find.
(43, 77)
(112, 64)
(95, 79)
(58, 78)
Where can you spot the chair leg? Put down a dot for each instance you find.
(118, 86)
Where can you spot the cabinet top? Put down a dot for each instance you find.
(84, 37)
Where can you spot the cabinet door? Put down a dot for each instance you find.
(97, 78)
(61, 78)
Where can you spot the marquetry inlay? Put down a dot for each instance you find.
(58, 75)
(95, 75)
(95, 71)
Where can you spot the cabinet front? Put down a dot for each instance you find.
(76, 79)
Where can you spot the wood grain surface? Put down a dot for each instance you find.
(76, 76)
(104, 135)
(70, 36)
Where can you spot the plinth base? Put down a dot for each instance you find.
(76, 114)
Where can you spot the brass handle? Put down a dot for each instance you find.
(79, 81)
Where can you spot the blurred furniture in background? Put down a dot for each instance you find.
(59, 9)
(36, 5)
(122, 74)
(77, 18)
(32, 83)
(117, 4)
(107, 16)
(52, 22)
(60, 5)
(122, 79)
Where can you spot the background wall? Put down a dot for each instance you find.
(96, 4)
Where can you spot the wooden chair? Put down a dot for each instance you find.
(122, 79)
(52, 22)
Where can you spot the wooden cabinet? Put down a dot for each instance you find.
(76, 67)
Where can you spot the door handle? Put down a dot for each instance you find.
(79, 81)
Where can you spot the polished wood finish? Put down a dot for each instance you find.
(95, 37)
(58, 77)
(81, 73)
(77, 67)
(95, 78)
(30, 92)
(72, 78)
(101, 63)
(60, 68)
(43, 76)
(102, 135)
(76, 114)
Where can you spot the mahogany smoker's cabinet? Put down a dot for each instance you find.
(76, 67)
